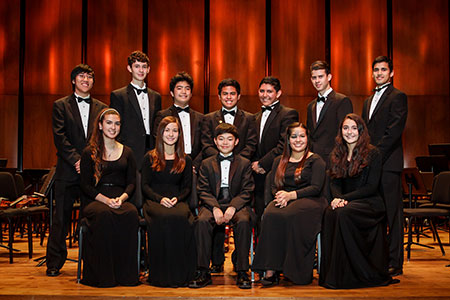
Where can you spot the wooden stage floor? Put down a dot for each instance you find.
(425, 277)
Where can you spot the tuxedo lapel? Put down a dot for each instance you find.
(193, 120)
(218, 117)
(217, 174)
(327, 104)
(314, 113)
(382, 99)
(258, 123)
(367, 109)
(76, 113)
(134, 102)
(93, 111)
(238, 118)
(270, 119)
(233, 167)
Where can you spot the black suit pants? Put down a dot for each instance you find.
(392, 195)
(66, 193)
(242, 227)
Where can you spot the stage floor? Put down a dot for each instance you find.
(425, 277)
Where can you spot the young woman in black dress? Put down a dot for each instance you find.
(108, 175)
(291, 221)
(166, 186)
(354, 249)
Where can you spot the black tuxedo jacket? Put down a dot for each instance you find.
(386, 126)
(132, 131)
(322, 133)
(68, 134)
(240, 183)
(196, 119)
(273, 136)
(246, 126)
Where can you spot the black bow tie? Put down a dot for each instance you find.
(222, 158)
(379, 88)
(139, 91)
(87, 100)
(231, 112)
(321, 99)
(180, 109)
(264, 108)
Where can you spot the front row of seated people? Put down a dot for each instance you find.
(352, 226)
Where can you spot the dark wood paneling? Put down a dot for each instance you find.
(9, 79)
(421, 47)
(53, 48)
(114, 30)
(358, 35)
(238, 47)
(298, 39)
(175, 43)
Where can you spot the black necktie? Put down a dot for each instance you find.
(180, 109)
(321, 99)
(222, 158)
(231, 112)
(264, 108)
(87, 100)
(139, 91)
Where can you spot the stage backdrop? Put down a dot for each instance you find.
(216, 39)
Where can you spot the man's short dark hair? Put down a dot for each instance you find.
(385, 59)
(273, 81)
(81, 68)
(320, 65)
(137, 56)
(229, 82)
(181, 76)
(226, 128)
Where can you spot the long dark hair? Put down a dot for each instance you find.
(340, 167)
(157, 155)
(97, 143)
(287, 151)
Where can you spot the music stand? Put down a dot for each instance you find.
(3, 162)
(432, 163)
(439, 149)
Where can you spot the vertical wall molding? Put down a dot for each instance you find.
(328, 32)
(145, 26)
(84, 29)
(21, 101)
(390, 30)
(207, 55)
(268, 37)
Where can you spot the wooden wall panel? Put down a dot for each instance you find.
(298, 39)
(238, 47)
(176, 43)
(114, 31)
(9, 79)
(358, 35)
(53, 48)
(421, 64)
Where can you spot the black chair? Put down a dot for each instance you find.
(8, 190)
(440, 195)
(432, 163)
(414, 189)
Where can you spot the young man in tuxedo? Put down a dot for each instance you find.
(137, 105)
(385, 114)
(325, 113)
(225, 186)
(181, 88)
(271, 124)
(229, 93)
(73, 117)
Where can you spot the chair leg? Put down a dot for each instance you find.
(409, 238)
(30, 237)
(11, 240)
(139, 252)
(80, 249)
(433, 228)
(252, 255)
(319, 252)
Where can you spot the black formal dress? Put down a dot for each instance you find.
(287, 241)
(354, 245)
(110, 245)
(171, 245)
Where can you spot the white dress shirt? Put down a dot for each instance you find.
(144, 106)
(83, 107)
(185, 119)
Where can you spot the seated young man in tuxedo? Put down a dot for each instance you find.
(225, 185)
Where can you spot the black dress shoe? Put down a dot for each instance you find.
(271, 281)
(395, 271)
(52, 272)
(243, 282)
(202, 279)
(217, 268)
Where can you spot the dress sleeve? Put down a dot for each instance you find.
(317, 179)
(370, 188)
(186, 183)
(87, 175)
(131, 173)
(147, 176)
